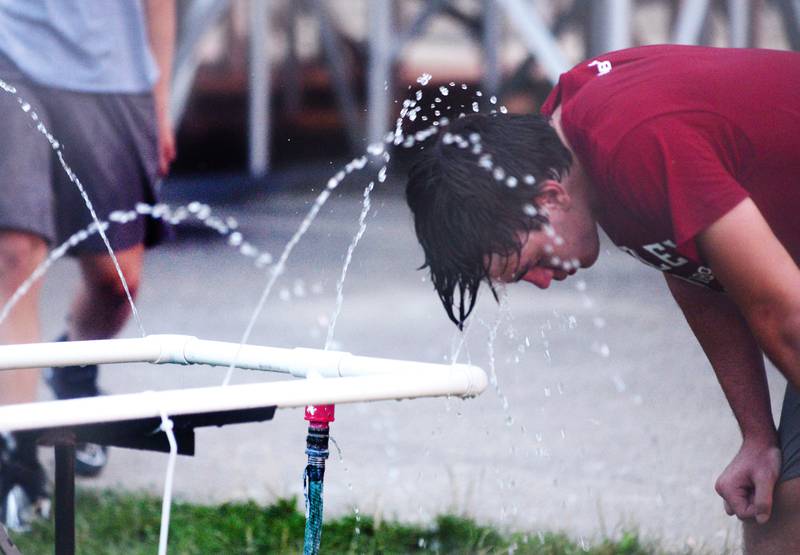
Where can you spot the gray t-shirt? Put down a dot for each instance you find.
(81, 45)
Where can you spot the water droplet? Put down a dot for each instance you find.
(475, 107)
(246, 249)
(235, 239)
(444, 90)
(424, 79)
(264, 259)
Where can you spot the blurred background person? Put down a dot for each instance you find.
(96, 73)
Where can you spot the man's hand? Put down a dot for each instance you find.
(746, 485)
(166, 145)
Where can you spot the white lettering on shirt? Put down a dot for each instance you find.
(703, 275)
(603, 66)
(659, 250)
(633, 253)
(667, 259)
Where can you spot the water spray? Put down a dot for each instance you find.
(319, 418)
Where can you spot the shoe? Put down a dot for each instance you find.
(71, 382)
(24, 491)
(90, 459)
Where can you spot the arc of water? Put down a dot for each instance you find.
(395, 137)
(275, 273)
(176, 216)
(362, 227)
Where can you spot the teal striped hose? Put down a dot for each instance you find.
(317, 451)
(313, 517)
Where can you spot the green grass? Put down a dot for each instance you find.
(122, 523)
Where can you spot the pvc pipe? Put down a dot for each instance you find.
(186, 349)
(459, 380)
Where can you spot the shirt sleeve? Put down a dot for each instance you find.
(680, 170)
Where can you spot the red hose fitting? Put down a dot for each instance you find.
(320, 415)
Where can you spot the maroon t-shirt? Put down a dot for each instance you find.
(674, 137)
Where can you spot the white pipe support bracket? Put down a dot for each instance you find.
(172, 348)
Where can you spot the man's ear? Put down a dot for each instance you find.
(552, 194)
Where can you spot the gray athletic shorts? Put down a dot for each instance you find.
(109, 141)
(789, 433)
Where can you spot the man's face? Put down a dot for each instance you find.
(542, 259)
(568, 242)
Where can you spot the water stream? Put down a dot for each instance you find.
(362, 227)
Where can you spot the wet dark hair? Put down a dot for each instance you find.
(463, 213)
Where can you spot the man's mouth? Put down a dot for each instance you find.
(561, 275)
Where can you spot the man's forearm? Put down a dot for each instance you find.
(161, 32)
(734, 354)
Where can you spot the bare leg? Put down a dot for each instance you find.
(20, 253)
(101, 308)
(781, 534)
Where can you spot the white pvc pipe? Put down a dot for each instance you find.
(186, 349)
(458, 380)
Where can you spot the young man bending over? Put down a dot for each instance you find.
(689, 159)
